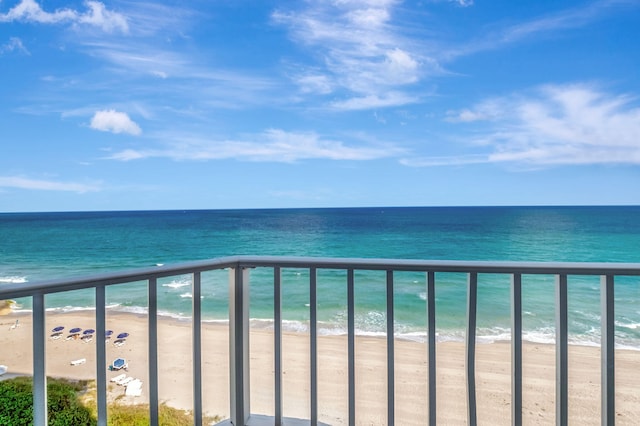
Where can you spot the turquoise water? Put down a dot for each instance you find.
(36, 246)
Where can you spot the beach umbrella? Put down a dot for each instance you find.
(58, 329)
(75, 330)
(89, 331)
(123, 335)
(108, 332)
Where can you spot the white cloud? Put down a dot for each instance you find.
(374, 101)
(402, 66)
(314, 83)
(486, 110)
(570, 124)
(30, 11)
(461, 160)
(115, 122)
(45, 185)
(160, 74)
(360, 49)
(96, 15)
(273, 145)
(13, 44)
(463, 3)
(100, 17)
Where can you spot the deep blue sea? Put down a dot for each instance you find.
(37, 246)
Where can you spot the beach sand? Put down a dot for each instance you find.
(493, 370)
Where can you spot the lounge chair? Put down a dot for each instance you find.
(125, 381)
(134, 388)
(119, 377)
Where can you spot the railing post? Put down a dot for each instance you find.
(470, 358)
(562, 356)
(391, 380)
(351, 346)
(39, 367)
(431, 343)
(313, 350)
(239, 345)
(516, 350)
(197, 347)
(153, 351)
(607, 351)
(277, 343)
(101, 356)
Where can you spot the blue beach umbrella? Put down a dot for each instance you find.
(89, 331)
(108, 333)
(58, 329)
(123, 335)
(75, 330)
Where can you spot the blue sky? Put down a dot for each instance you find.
(127, 105)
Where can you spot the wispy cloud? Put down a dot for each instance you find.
(96, 15)
(20, 182)
(273, 145)
(546, 25)
(358, 49)
(388, 99)
(553, 125)
(115, 122)
(14, 44)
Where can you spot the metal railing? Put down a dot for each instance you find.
(239, 273)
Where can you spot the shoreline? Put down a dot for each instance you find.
(493, 372)
(329, 329)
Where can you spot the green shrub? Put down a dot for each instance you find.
(65, 408)
(73, 403)
(138, 415)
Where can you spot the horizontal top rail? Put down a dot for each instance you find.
(17, 290)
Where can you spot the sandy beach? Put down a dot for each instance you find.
(493, 369)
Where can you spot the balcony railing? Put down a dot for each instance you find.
(240, 268)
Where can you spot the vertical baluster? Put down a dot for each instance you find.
(391, 393)
(39, 365)
(351, 346)
(196, 329)
(431, 344)
(239, 345)
(153, 351)
(562, 400)
(516, 349)
(101, 356)
(277, 343)
(313, 350)
(472, 297)
(607, 349)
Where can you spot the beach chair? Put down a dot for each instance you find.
(119, 377)
(134, 388)
(125, 381)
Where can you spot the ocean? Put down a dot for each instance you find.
(38, 246)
